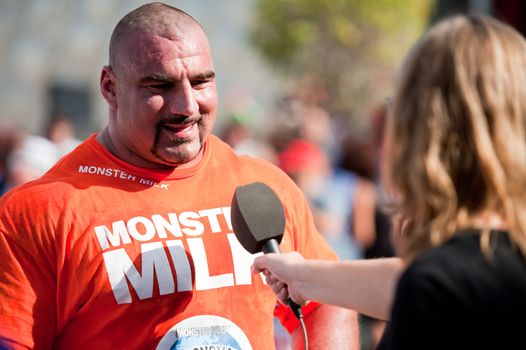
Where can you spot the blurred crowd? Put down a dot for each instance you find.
(25, 156)
(336, 167)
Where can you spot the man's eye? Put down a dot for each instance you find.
(200, 83)
(163, 86)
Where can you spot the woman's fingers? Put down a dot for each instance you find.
(276, 285)
(283, 295)
(278, 288)
(259, 265)
(271, 279)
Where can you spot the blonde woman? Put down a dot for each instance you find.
(455, 161)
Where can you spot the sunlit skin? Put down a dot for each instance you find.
(162, 99)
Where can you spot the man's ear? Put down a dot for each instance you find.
(108, 86)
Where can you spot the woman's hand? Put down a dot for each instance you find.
(282, 273)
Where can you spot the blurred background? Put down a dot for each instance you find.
(302, 83)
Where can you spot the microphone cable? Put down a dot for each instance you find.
(296, 309)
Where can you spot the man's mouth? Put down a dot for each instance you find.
(181, 130)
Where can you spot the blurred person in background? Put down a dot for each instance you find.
(341, 201)
(382, 244)
(127, 242)
(25, 157)
(340, 188)
(358, 157)
(29, 159)
(242, 129)
(238, 134)
(9, 138)
(61, 131)
(315, 125)
(362, 156)
(455, 164)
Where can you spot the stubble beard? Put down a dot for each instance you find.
(181, 154)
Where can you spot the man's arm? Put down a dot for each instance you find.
(329, 327)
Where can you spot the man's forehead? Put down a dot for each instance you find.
(150, 48)
(192, 41)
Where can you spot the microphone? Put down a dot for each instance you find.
(258, 220)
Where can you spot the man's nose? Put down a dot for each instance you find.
(183, 100)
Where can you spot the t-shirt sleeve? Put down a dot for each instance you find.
(287, 318)
(27, 302)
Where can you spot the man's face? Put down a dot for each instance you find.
(166, 99)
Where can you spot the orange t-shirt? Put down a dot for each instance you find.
(100, 254)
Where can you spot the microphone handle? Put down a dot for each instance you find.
(272, 246)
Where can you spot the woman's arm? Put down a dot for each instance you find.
(366, 286)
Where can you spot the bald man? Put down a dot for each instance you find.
(126, 243)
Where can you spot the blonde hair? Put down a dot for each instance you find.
(458, 133)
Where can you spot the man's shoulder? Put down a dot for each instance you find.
(41, 190)
(247, 168)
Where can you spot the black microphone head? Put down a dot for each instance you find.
(257, 216)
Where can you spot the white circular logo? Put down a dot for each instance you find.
(205, 332)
